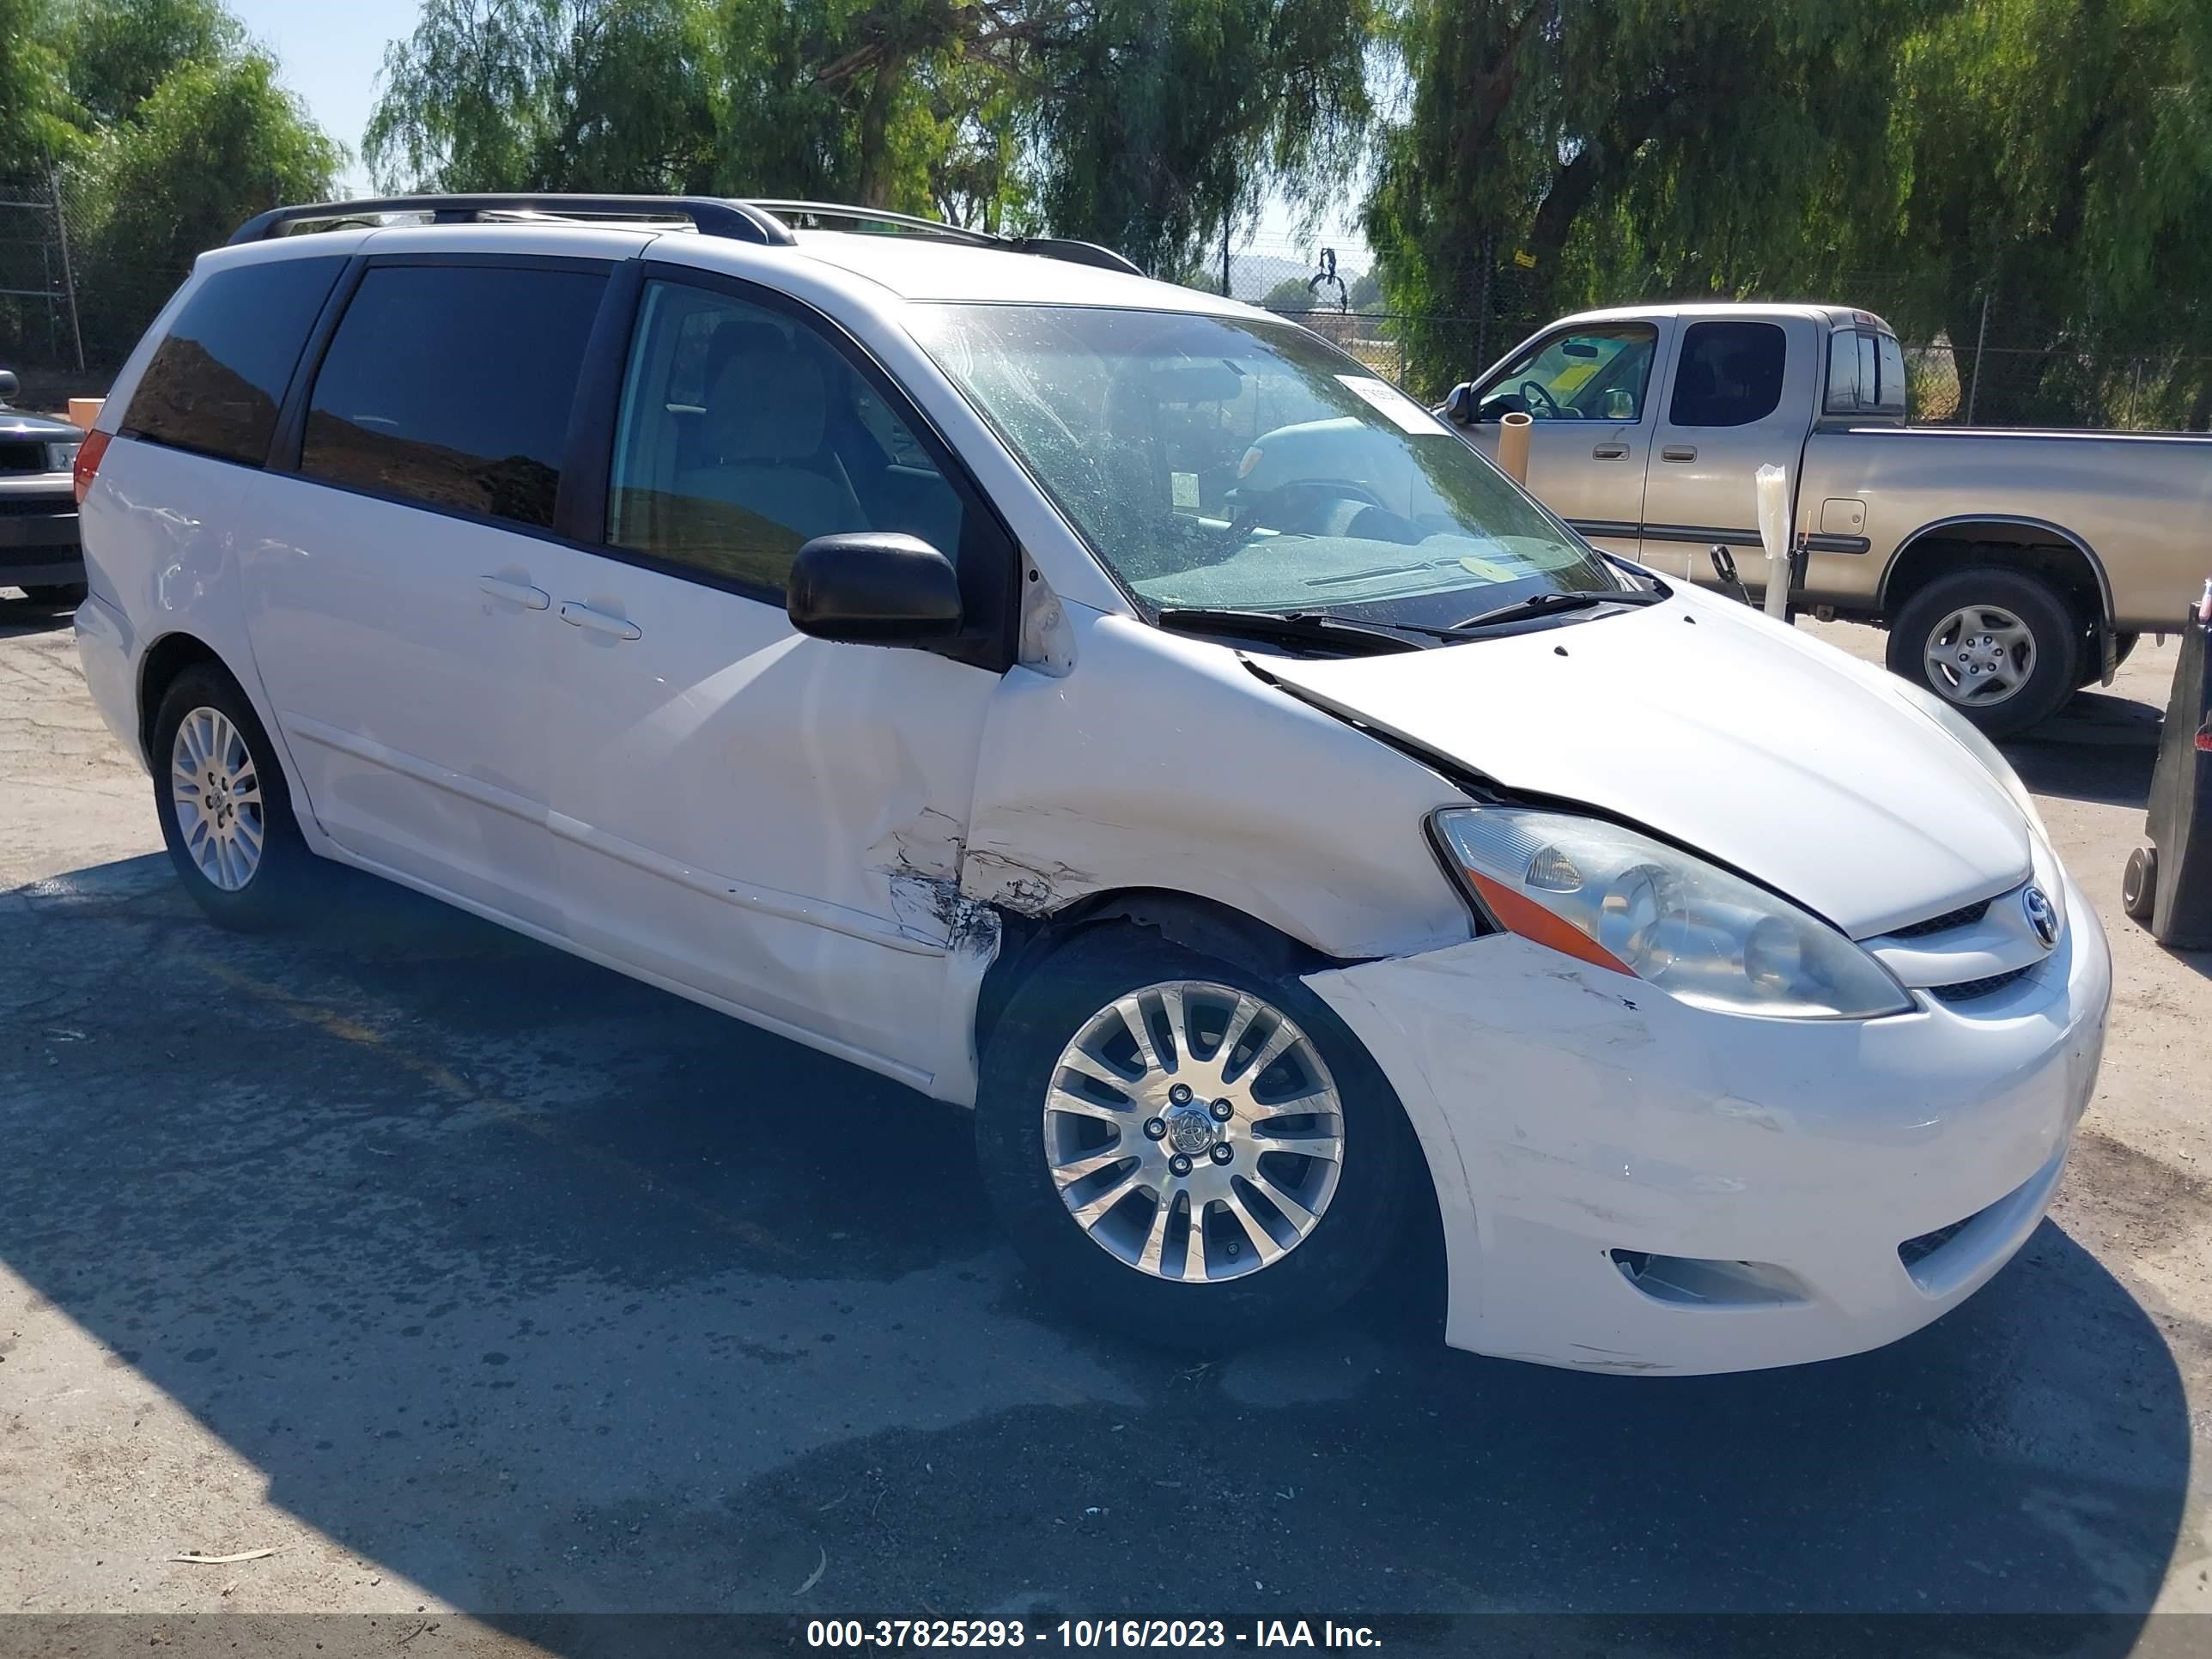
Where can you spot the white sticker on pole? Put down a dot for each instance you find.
(1401, 411)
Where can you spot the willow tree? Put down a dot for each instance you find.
(548, 94)
(1552, 150)
(2058, 160)
(1163, 118)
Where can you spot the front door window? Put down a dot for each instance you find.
(1598, 374)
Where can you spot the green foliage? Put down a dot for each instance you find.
(1142, 123)
(34, 128)
(118, 50)
(1557, 149)
(216, 143)
(548, 94)
(2054, 155)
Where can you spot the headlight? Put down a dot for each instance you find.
(1969, 737)
(1624, 902)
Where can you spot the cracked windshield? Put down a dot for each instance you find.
(1239, 466)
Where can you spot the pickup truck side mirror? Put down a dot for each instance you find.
(874, 588)
(9, 387)
(1460, 407)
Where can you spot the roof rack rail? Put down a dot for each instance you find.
(840, 213)
(762, 222)
(1049, 247)
(711, 216)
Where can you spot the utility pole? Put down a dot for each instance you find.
(68, 281)
(1981, 339)
(1225, 225)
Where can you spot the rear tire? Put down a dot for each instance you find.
(2001, 648)
(225, 809)
(1188, 1271)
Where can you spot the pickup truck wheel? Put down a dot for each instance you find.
(2001, 647)
(225, 811)
(1194, 1153)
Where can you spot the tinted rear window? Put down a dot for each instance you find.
(449, 384)
(215, 381)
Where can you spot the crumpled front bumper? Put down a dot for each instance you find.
(1632, 1184)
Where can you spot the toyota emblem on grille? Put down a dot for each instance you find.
(2042, 916)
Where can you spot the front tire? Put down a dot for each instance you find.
(2000, 646)
(1193, 1153)
(225, 810)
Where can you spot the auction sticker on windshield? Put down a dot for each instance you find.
(1402, 411)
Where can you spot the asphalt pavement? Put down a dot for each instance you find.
(477, 1282)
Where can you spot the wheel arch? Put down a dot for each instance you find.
(158, 668)
(1204, 925)
(1209, 926)
(2044, 548)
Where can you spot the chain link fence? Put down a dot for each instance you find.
(39, 324)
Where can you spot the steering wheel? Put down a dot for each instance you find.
(1534, 388)
(1307, 493)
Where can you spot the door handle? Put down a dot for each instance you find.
(521, 593)
(1679, 453)
(1609, 452)
(582, 615)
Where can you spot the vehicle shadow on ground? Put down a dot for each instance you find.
(2103, 751)
(19, 616)
(551, 1293)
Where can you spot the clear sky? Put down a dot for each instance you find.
(332, 51)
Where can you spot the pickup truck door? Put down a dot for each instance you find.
(1587, 389)
(1739, 396)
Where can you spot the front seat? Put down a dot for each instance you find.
(767, 411)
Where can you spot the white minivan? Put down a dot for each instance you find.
(1112, 708)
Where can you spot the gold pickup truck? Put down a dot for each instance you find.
(2011, 567)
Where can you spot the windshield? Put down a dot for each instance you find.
(1217, 463)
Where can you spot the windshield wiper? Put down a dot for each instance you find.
(1293, 626)
(1545, 604)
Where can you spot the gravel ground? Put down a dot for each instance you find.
(470, 1278)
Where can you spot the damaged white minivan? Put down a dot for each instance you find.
(1115, 708)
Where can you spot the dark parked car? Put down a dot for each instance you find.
(39, 549)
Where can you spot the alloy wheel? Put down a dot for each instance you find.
(1193, 1131)
(216, 788)
(1980, 655)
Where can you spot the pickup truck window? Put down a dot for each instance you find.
(1578, 375)
(1866, 373)
(1730, 374)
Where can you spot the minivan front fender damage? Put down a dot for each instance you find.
(1163, 766)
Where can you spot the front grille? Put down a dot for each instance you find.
(1967, 989)
(1914, 1251)
(1965, 916)
(36, 506)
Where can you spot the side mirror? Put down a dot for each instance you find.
(874, 588)
(8, 385)
(1460, 408)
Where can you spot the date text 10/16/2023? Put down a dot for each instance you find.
(1086, 1634)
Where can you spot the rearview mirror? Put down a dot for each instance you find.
(874, 588)
(1459, 405)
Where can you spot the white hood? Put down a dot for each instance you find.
(1732, 734)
